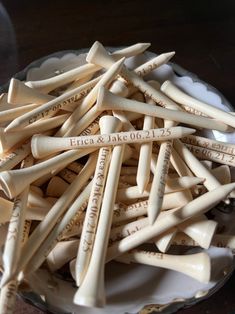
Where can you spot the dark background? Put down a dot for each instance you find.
(201, 32)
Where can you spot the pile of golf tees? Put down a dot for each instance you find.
(99, 164)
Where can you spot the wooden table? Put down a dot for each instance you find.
(201, 32)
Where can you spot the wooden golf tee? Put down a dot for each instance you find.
(154, 63)
(196, 166)
(158, 185)
(176, 199)
(52, 107)
(172, 186)
(145, 154)
(43, 146)
(108, 124)
(197, 265)
(212, 155)
(197, 206)
(48, 85)
(219, 240)
(13, 182)
(163, 242)
(19, 93)
(94, 295)
(180, 97)
(179, 165)
(107, 100)
(200, 229)
(222, 147)
(15, 112)
(62, 253)
(130, 51)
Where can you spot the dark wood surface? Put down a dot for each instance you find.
(201, 32)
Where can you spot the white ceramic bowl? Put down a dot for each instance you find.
(133, 288)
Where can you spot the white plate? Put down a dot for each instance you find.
(133, 288)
